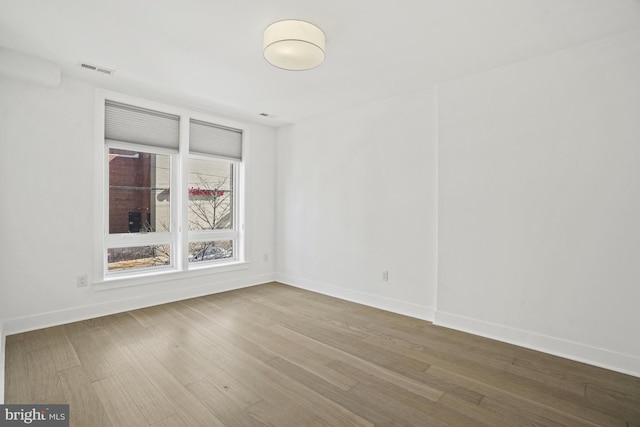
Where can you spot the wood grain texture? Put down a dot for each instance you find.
(273, 355)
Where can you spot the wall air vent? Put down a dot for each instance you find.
(96, 68)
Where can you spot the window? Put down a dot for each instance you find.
(212, 186)
(210, 208)
(139, 183)
(173, 194)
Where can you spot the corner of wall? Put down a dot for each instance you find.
(384, 303)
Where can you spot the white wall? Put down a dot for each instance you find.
(46, 218)
(356, 195)
(539, 203)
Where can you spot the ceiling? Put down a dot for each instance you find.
(208, 53)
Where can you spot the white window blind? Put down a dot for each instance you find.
(207, 138)
(126, 123)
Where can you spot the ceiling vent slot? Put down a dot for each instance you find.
(92, 67)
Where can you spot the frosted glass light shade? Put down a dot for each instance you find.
(294, 45)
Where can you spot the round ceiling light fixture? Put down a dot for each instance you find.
(294, 45)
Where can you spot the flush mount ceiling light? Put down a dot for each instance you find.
(294, 45)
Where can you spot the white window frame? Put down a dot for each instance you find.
(179, 235)
(123, 240)
(216, 235)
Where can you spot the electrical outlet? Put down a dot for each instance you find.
(83, 281)
(385, 275)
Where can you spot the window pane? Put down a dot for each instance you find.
(138, 191)
(210, 195)
(119, 259)
(210, 251)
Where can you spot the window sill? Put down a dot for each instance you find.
(148, 278)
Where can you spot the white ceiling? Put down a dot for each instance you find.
(208, 53)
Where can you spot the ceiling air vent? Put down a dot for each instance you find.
(97, 68)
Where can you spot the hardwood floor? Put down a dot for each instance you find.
(280, 356)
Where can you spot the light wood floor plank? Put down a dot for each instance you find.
(186, 405)
(17, 386)
(347, 400)
(515, 407)
(408, 414)
(153, 405)
(97, 354)
(225, 409)
(41, 367)
(474, 411)
(374, 369)
(85, 408)
(273, 355)
(119, 406)
(275, 388)
(172, 421)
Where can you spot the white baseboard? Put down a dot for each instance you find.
(389, 304)
(607, 359)
(60, 317)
